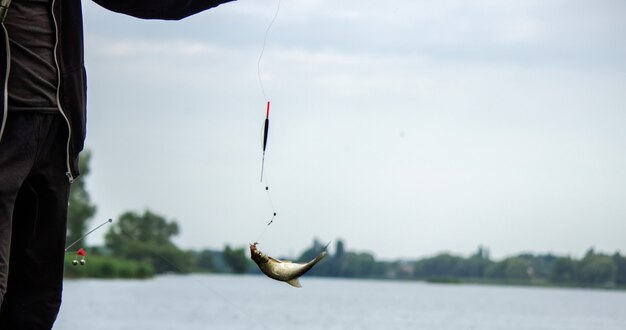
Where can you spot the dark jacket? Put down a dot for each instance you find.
(68, 20)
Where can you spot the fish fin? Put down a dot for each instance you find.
(295, 283)
(279, 261)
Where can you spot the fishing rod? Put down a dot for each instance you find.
(91, 231)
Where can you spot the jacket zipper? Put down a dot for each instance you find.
(69, 174)
(6, 83)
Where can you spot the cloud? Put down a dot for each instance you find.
(434, 118)
(149, 48)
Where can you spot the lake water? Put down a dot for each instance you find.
(255, 302)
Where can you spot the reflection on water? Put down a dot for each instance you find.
(255, 302)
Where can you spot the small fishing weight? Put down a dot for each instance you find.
(82, 254)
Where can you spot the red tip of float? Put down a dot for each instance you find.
(81, 252)
(267, 112)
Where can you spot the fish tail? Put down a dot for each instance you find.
(321, 256)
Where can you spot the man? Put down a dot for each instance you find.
(42, 129)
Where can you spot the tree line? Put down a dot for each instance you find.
(592, 270)
(139, 245)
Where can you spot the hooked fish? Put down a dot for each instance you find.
(282, 270)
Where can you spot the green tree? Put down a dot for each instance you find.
(204, 261)
(620, 263)
(564, 271)
(496, 270)
(358, 265)
(517, 269)
(541, 265)
(148, 237)
(442, 265)
(336, 261)
(596, 269)
(474, 267)
(236, 259)
(81, 209)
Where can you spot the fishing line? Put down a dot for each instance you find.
(173, 264)
(258, 64)
(267, 122)
(216, 293)
(269, 197)
(271, 220)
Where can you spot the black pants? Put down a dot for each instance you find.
(34, 194)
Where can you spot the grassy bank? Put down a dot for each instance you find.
(108, 267)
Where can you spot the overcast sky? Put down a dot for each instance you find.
(405, 127)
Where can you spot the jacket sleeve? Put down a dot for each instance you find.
(159, 9)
